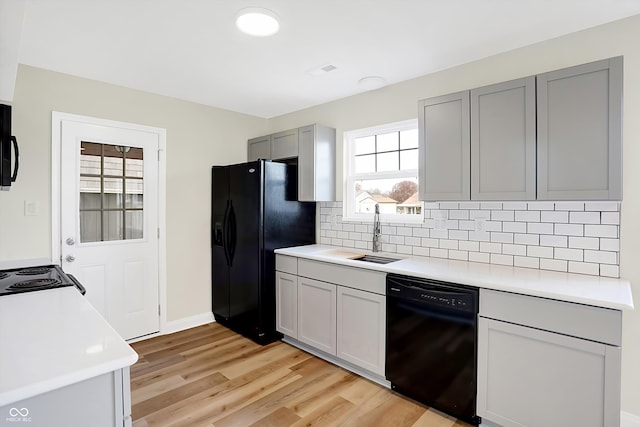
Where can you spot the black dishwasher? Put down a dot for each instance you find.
(431, 351)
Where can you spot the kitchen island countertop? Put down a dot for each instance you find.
(53, 338)
(579, 288)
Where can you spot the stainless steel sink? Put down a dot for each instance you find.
(376, 259)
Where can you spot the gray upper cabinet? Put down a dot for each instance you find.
(314, 149)
(503, 141)
(259, 148)
(284, 145)
(316, 163)
(445, 147)
(580, 132)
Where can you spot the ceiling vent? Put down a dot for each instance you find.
(323, 69)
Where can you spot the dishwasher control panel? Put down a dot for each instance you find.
(433, 293)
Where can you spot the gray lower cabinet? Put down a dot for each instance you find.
(580, 132)
(317, 314)
(259, 148)
(503, 141)
(361, 328)
(338, 310)
(560, 369)
(445, 154)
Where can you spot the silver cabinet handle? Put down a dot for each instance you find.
(70, 241)
(70, 258)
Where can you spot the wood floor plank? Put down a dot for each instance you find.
(210, 376)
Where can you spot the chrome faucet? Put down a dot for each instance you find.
(376, 229)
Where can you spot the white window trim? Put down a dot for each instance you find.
(348, 211)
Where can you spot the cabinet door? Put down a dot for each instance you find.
(444, 147)
(503, 141)
(316, 163)
(284, 145)
(580, 132)
(287, 304)
(361, 329)
(530, 377)
(259, 148)
(317, 314)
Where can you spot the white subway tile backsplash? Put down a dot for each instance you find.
(552, 240)
(459, 255)
(584, 217)
(528, 262)
(421, 251)
(514, 250)
(584, 242)
(554, 264)
(554, 216)
(514, 206)
(540, 206)
(569, 229)
(469, 246)
(514, 227)
(539, 228)
(479, 257)
(569, 254)
(448, 244)
(578, 237)
(569, 206)
(439, 253)
(527, 216)
(610, 231)
(610, 218)
(502, 237)
(584, 268)
(501, 259)
(602, 206)
(502, 215)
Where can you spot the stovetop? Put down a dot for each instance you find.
(18, 280)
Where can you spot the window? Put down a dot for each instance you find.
(111, 192)
(382, 168)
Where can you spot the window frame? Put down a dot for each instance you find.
(348, 207)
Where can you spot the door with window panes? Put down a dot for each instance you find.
(109, 220)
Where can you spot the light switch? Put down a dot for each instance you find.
(31, 208)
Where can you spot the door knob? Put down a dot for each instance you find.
(70, 241)
(70, 258)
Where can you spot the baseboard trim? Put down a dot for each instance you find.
(187, 323)
(628, 419)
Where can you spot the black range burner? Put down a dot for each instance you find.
(37, 283)
(34, 271)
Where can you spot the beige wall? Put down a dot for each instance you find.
(197, 138)
(399, 102)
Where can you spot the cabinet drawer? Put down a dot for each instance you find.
(287, 264)
(584, 321)
(357, 278)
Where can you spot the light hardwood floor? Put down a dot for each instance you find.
(211, 376)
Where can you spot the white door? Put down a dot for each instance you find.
(109, 221)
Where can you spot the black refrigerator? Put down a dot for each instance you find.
(254, 211)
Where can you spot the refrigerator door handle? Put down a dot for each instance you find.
(17, 160)
(225, 233)
(233, 235)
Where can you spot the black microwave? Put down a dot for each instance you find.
(8, 144)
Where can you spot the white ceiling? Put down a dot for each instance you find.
(190, 49)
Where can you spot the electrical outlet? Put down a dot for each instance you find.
(30, 208)
(479, 224)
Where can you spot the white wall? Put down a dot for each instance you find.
(197, 138)
(399, 102)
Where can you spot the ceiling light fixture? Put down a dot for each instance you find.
(257, 22)
(371, 83)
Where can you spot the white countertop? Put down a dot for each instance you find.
(592, 290)
(53, 338)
